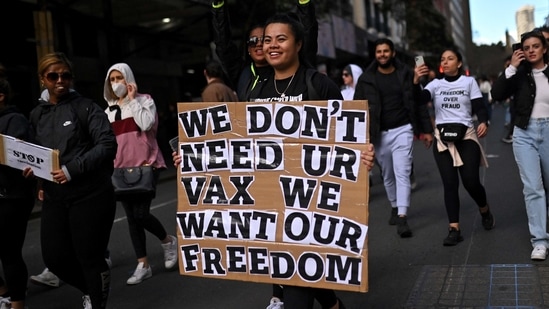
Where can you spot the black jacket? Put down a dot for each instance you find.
(367, 89)
(523, 88)
(12, 182)
(87, 146)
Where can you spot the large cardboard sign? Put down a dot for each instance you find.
(20, 155)
(274, 192)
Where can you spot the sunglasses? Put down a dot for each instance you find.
(252, 41)
(54, 76)
(346, 74)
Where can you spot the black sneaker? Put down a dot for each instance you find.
(453, 238)
(488, 220)
(394, 216)
(402, 228)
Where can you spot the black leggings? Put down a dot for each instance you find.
(14, 215)
(138, 212)
(74, 238)
(470, 154)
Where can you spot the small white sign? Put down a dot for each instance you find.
(20, 155)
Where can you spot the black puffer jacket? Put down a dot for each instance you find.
(81, 131)
(523, 88)
(12, 182)
(367, 89)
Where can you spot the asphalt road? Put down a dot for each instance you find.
(416, 272)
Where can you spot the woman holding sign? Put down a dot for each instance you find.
(283, 43)
(78, 206)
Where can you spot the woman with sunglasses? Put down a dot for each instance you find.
(78, 206)
(350, 76)
(526, 79)
(245, 73)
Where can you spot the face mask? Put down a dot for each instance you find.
(119, 89)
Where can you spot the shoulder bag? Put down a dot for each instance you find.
(136, 180)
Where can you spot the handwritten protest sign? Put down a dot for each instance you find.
(20, 155)
(274, 192)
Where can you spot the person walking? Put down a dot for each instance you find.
(134, 120)
(78, 206)
(216, 90)
(458, 151)
(395, 118)
(17, 196)
(350, 76)
(526, 79)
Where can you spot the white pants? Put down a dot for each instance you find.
(394, 155)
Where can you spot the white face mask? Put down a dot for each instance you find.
(119, 89)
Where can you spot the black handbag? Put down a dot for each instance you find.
(452, 132)
(136, 180)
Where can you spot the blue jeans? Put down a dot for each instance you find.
(531, 149)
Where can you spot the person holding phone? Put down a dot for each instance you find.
(134, 120)
(458, 151)
(395, 118)
(526, 79)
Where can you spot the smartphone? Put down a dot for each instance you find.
(419, 61)
(174, 143)
(517, 46)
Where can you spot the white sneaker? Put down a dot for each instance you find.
(46, 278)
(140, 274)
(539, 253)
(87, 302)
(170, 253)
(275, 304)
(5, 303)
